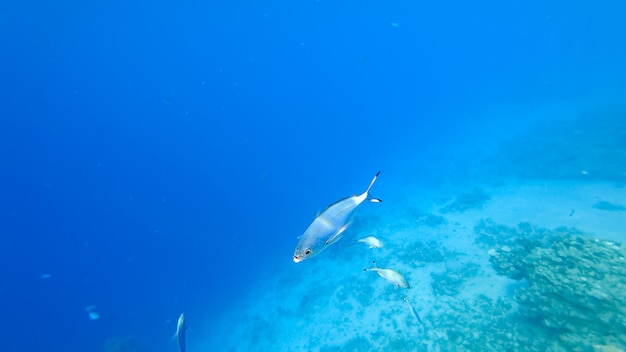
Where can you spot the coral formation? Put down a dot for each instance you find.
(575, 294)
(489, 234)
(567, 294)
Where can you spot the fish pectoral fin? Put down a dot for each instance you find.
(334, 238)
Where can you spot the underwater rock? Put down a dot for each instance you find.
(466, 201)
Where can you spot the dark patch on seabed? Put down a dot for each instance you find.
(466, 201)
(604, 205)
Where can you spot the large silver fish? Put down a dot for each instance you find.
(328, 227)
(181, 332)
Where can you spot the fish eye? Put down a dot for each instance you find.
(307, 251)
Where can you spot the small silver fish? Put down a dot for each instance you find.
(390, 275)
(328, 227)
(413, 311)
(371, 242)
(93, 312)
(181, 332)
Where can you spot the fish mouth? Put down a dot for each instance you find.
(297, 259)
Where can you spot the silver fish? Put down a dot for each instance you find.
(390, 275)
(328, 227)
(371, 242)
(181, 332)
(413, 311)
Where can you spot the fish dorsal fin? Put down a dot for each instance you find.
(339, 201)
(373, 268)
(365, 195)
(372, 183)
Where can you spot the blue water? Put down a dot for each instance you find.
(157, 157)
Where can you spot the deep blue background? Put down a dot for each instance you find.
(157, 156)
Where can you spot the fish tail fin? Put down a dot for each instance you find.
(372, 183)
(374, 267)
(367, 191)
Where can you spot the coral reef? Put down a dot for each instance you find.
(575, 294)
(567, 295)
(489, 234)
